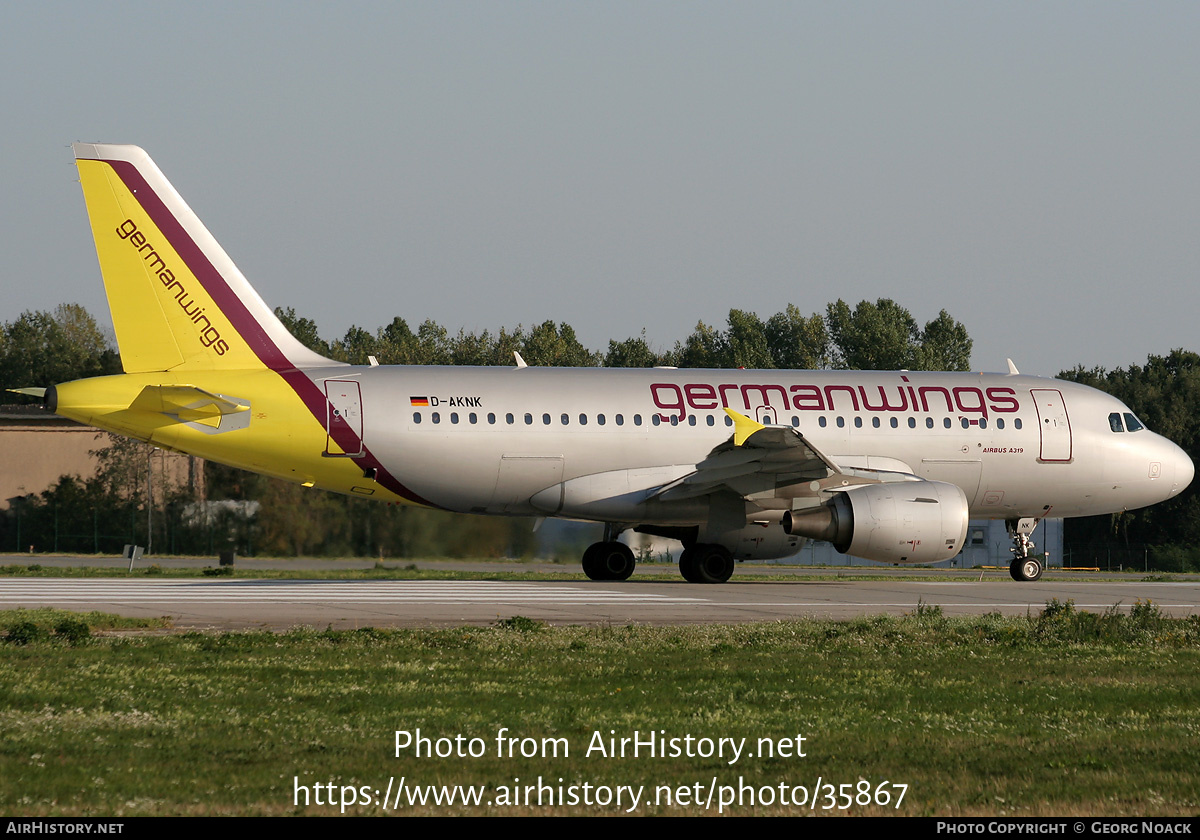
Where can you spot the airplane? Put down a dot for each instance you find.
(735, 464)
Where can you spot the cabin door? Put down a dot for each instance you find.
(343, 418)
(1053, 424)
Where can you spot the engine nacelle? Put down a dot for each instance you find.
(896, 522)
(761, 539)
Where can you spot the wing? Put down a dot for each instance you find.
(773, 461)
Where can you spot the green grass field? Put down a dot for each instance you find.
(1065, 712)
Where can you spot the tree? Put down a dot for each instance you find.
(796, 342)
(945, 345)
(631, 353)
(745, 342)
(355, 347)
(702, 349)
(548, 345)
(874, 336)
(303, 329)
(39, 349)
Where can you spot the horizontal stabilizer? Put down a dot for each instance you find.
(192, 405)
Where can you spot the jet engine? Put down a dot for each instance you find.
(761, 539)
(897, 522)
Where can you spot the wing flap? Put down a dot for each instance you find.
(756, 459)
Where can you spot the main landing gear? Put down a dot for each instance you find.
(699, 563)
(608, 560)
(1025, 566)
(706, 563)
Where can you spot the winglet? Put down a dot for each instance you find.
(743, 426)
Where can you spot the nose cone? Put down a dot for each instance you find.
(1185, 471)
(1171, 470)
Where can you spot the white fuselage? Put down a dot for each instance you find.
(493, 440)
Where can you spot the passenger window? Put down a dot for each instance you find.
(655, 419)
(999, 422)
(436, 417)
(454, 417)
(1132, 423)
(620, 419)
(508, 418)
(566, 419)
(528, 419)
(895, 423)
(600, 419)
(875, 421)
(473, 418)
(492, 419)
(1016, 422)
(966, 424)
(858, 422)
(983, 422)
(692, 420)
(545, 419)
(928, 422)
(637, 419)
(841, 422)
(946, 422)
(821, 421)
(795, 421)
(416, 417)
(709, 420)
(912, 422)
(728, 420)
(582, 419)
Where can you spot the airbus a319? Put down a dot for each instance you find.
(735, 464)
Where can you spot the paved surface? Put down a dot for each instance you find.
(278, 604)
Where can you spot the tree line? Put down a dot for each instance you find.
(879, 335)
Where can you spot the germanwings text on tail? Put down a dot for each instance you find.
(735, 464)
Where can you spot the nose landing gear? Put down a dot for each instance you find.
(1025, 566)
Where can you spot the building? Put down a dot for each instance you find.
(37, 448)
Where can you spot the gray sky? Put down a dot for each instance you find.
(1033, 168)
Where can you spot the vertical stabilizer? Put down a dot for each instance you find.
(178, 302)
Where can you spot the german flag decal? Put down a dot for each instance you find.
(418, 401)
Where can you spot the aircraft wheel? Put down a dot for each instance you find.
(591, 562)
(706, 564)
(687, 565)
(1025, 569)
(608, 561)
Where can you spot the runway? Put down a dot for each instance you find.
(281, 604)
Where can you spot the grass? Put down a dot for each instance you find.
(1062, 712)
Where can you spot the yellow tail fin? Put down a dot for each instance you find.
(178, 302)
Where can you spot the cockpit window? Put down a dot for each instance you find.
(1132, 423)
(1114, 422)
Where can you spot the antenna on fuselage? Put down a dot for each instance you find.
(520, 362)
(1012, 369)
